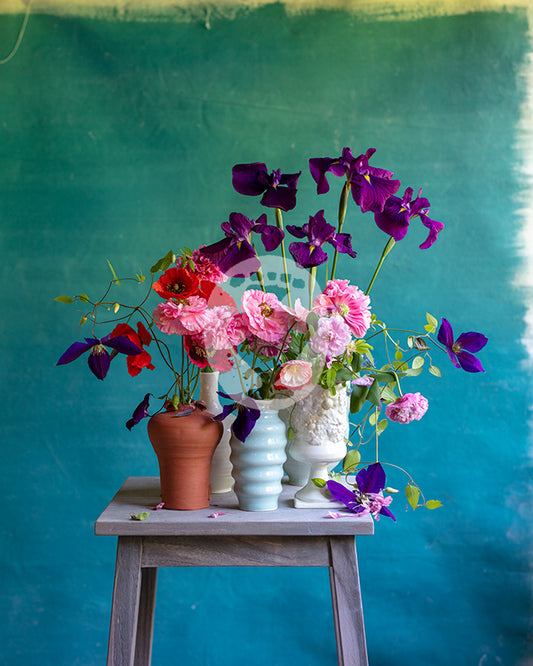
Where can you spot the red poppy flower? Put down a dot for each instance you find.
(140, 338)
(177, 283)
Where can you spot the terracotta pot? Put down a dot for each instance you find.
(184, 446)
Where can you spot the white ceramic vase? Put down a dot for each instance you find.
(258, 461)
(221, 479)
(320, 423)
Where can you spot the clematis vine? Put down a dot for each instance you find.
(278, 190)
(141, 338)
(235, 255)
(370, 186)
(309, 254)
(367, 496)
(99, 358)
(397, 213)
(140, 412)
(461, 351)
(247, 414)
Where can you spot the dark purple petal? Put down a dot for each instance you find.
(469, 362)
(290, 179)
(140, 412)
(445, 334)
(344, 495)
(271, 235)
(218, 250)
(245, 422)
(394, 219)
(371, 192)
(241, 225)
(76, 350)
(318, 230)
(122, 345)
(246, 178)
(306, 255)
(240, 261)
(471, 341)
(99, 361)
(343, 243)
(280, 197)
(296, 231)
(434, 229)
(319, 166)
(371, 479)
(226, 411)
(385, 511)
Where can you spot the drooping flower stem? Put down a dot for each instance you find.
(390, 244)
(279, 224)
(237, 365)
(343, 203)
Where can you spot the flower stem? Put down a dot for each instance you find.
(390, 244)
(279, 224)
(342, 214)
(312, 282)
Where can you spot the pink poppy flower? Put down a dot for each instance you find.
(408, 407)
(341, 298)
(294, 375)
(180, 317)
(298, 316)
(264, 316)
(331, 338)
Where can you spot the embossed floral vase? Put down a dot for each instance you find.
(320, 423)
(258, 462)
(184, 442)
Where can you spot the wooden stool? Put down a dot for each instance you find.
(287, 537)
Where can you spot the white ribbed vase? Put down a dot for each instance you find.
(258, 461)
(221, 479)
(320, 423)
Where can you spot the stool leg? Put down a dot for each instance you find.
(145, 625)
(125, 607)
(347, 602)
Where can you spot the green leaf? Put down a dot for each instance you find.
(83, 320)
(83, 298)
(398, 355)
(357, 362)
(384, 377)
(358, 398)
(143, 515)
(418, 362)
(117, 281)
(433, 504)
(374, 395)
(64, 299)
(373, 418)
(330, 377)
(164, 262)
(410, 341)
(320, 483)
(290, 433)
(140, 277)
(116, 307)
(352, 459)
(432, 324)
(382, 425)
(434, 370)
(412, 493)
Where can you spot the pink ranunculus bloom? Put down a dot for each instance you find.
(341, 298)
(264, 316)
(298, 316)
(215, 324)
(331, 338)
(408, 407)
(181, 317)
(294, 375)
(206, 269)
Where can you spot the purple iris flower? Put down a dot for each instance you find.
(318, 232)
(460, 350)
(371, 187)
(99, 358)
(367, 496)
(278, 190)
(247, 414)
(397, 213)
(235, 254)
(140, 412)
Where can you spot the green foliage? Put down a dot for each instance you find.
(433, 504)
(412, 493)
(351, 460)
(320, 483)
(143, 515)
(64, 299)
(163, 263)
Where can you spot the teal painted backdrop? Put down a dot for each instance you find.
(117, 142)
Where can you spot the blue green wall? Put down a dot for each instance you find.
(117, 140)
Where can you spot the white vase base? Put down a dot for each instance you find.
(323, 503)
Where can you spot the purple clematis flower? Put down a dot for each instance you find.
(397, 213)
(235, 254)
(460, 350)
(140, 412)
(247, 414)
(278, 190)
(99, 358)
(367, 497)
(370, 187)
(318, 232)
